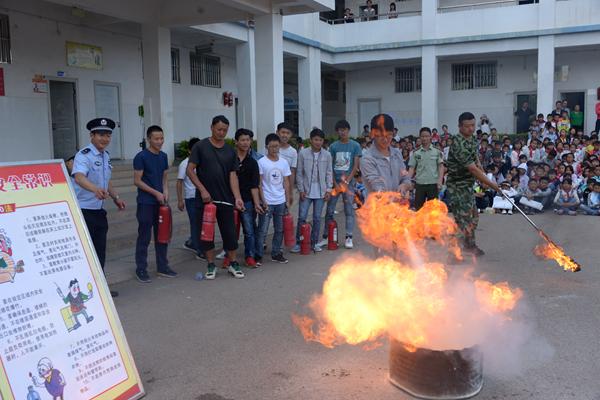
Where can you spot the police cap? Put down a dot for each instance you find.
(101, 125)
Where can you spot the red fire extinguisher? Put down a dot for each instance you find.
(165, 224)
(236, 221)
(289, 236)
(305, 238)
(332, 235)
(209, 218)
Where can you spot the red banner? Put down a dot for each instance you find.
(2, 93)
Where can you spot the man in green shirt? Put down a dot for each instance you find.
(426, 163)
(577, 118)
(463, 169)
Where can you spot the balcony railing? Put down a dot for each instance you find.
(376, 17)
(461, 5)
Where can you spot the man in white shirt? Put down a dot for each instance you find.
(186, 192)
(285, 132)
(276, 194)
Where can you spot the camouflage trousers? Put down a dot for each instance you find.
(462, 206)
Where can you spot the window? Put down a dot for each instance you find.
(474, 76)
(205, 70)
(4, 39)
(175, 66)
(408, 79)
(331, 89)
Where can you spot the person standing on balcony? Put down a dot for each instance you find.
(348, 16)
(369, 12)
(393, 13)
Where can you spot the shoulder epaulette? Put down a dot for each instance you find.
(85, 151)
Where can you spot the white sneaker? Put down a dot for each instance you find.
(317, 248)
(221, 255)
(348, 244)
(322, 243)
(504, 211)
(509, 212)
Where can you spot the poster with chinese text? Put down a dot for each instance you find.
(60, 336)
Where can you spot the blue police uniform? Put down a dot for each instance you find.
(96, 167)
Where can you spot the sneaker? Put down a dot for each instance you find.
(571, 212)
(295, 249)
(211, 272)
(114, 293)
(167, 273)
(476, 251)
(317, 249)
(235, 270)
(258, 261)
(142, 276)
(188, 246)
(323, 242)
(510, 212)
(251, 262)
(221, 255)
(348, 243)
(279, 258)
(225, 262)
(504, 212)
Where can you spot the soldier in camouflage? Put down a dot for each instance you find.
(463, 169)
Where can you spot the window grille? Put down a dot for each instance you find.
(175, 66)
(5, 56)
(474, 76)
(408, 79)
(205, 70)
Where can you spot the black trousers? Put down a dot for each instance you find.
(226, 223)
(97, 224)
(423, 193)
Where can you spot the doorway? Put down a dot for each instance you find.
(520, 98)
(63, 115)
(367, 109)
(573, 99)
(108, 105)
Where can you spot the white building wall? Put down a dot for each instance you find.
(195, 106)
(38, 47)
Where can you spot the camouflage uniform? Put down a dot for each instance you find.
(463, 152)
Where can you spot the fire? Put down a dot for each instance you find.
(342, 187)
(551, 251)
(387, 223)
(365, 301)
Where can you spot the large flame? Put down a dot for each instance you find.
(387, 223)
(365, 301)
(552, 251)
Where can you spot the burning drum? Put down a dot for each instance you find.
(432, 374)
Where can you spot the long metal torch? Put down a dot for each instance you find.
(540, 231)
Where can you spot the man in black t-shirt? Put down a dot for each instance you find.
(215, 164)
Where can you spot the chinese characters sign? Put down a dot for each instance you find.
(60, 336)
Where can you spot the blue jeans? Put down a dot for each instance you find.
(147, 216)
(194, 239)
(589, 210)
(251, 233)
(276, 213)
(348, 198)
(303, 213)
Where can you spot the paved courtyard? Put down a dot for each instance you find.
(233, 339)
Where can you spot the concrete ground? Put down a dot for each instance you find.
(233, 339)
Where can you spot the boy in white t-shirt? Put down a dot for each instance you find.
(276, 194)
(285, 132)
(186, 193)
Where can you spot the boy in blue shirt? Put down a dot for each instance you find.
(345, 155)
(150, 175)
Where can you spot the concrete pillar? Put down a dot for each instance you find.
(268, 41)
(428, 18)
(246, 77)
(309, 92)
(158, 93)
(545, 75)
(429, 87)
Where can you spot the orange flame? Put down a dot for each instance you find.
(554, 252)
(387, 223)
(364, 301)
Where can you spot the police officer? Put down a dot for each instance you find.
(463, 168)
(92, 173)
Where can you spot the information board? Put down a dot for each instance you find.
(60, 335)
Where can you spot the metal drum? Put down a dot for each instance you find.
(433, 374)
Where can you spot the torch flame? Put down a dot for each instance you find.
(552, 251)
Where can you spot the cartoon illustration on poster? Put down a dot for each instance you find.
(76, 307)
(51, 378)
(8, 267)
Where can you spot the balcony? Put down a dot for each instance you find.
(445, 6)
